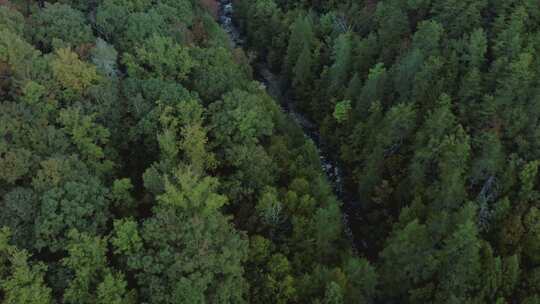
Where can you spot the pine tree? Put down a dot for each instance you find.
(303, 77)
(301, 37)
(340, 69)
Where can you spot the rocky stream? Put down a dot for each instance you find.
(351, 213)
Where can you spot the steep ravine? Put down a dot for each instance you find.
(351, 208)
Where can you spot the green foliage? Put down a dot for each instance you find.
(74, 75)
(21, 281)
(83, 206)
(139, 27)
(126, 238)
(111, 18)
(458, 17)
(215, 73)
(19, 208)
(342, 109)
(373, 89)
(11, 20)
(264, 27)
(88, 261)
(279, 282)
(430, 136)
(89, 134)
(113, 290)
(159, 57)
(138, 156)
(60, 26)
(274, 282)
(269, 208)
(176, 12)
(477, 48)
(392, 27)
(142, 95)
(241, 118)
(183, 132)
(395, 128)
(188, 236)
(407, 259)
(14, 165)
(339, 71)
(19, 56)
(333, 294)
(303, 72)
(301, 40)
(86, 134)
(361, 280)
(532, 240)
(121, 196)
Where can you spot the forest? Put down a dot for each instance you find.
(144, 159)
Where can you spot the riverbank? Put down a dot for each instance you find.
(351, 215)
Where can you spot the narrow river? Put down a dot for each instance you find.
(351, 214)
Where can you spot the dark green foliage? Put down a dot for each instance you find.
(140, 27)
(11, 20)
(215, 73)
(19, 209)
(191, 239)
(91, 275)
(301, 40)
(339, 71)
(264, 27)
(16, 57)
(433, 107)
(140, 162)
(241, 118)
(74, 205)
(159, 57)
(21, 281)
(458, 17)
(111, 19)
(58, 26)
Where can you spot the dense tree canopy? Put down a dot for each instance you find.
(389, 154)
(141, 163)
(431, 109)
